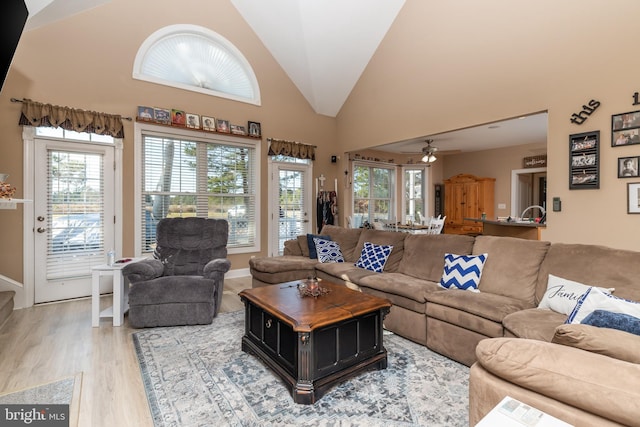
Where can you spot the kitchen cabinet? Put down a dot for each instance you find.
(467, 196)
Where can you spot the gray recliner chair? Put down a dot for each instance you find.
(182, 284)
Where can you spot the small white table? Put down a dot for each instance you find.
(120, 292)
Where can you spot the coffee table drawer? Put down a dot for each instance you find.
(275, 337)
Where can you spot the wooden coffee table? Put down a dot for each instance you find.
(314, 343)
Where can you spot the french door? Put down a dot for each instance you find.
(290, 201)
(73, 216)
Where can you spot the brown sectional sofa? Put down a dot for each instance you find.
(458, 323)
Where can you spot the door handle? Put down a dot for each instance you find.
(41, 230)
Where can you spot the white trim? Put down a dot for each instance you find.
(514, 186)
(215, 39)
(427, 194)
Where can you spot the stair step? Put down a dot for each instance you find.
(6, 305)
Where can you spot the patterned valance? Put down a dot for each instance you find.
(38, 114)
(291, 149)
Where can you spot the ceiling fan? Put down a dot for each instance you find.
(429, 152)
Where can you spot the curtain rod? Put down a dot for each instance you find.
(123, 118)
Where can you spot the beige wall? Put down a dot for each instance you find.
(449, 65)
(86, 62)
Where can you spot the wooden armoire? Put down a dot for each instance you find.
(467, 196)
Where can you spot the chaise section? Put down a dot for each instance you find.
(273, 270)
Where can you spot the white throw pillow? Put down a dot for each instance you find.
(595, 299)
(562, 294)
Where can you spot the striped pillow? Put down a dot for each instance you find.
(462, 271)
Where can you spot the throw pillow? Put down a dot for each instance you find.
(313, 254)
(374, 257)
(619, 321)
(327, 250)
(462, 271)
(594, 299)
(562, 294)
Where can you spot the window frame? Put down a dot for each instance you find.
(198, 136)
(425, 189)
(215, 39)
(392, 190)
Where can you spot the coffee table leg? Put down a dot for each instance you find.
(303, 391)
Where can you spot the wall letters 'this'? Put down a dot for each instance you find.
(587, 110)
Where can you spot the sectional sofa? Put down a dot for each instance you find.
(499, 330)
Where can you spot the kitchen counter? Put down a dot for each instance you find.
(523, 230)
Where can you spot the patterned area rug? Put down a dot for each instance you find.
(198, 375)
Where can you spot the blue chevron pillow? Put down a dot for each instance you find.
(462, 271)
(374, 257)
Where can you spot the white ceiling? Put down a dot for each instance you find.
(324, 47)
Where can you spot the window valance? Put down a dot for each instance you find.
(291, 149)
(38, 114)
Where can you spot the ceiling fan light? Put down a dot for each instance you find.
(432, 158)
(425, 158)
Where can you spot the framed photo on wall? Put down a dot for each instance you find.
(208, 123)
(628, 167)
(584, 160)
(193, 121)
(625, 129)
(255, 129)
(633, 198)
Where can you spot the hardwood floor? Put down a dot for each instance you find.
(49, 342)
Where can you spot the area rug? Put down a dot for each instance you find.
(198, 375)
(65, 391)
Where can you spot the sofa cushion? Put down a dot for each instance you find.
(381, 237)
(594, 265)
(311, 244)
(490, 306)
(424, 253)
(374, 257)
(533, 323)
(594, 383)
(403, 285)
(347, 238)
(595, 299)
(562, 294)
(613, 343)
(344, 271)
(282, 269)
(303, 242)
(328, 250)
(462, 271)
(619, 321)
(294, 246)
(512, 267)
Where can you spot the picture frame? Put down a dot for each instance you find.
(178, 117)
(193, 121)
(625, 129)
(584, 160)
(238, 130)
(255, 129)
(208, 123)
(162, 115)
(222, 126)
(628, 167)
(633, 198)
(145, 113)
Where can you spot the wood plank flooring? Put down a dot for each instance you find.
(49, 342)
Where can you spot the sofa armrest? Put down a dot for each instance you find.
(592, 382)
(216, 267)
(145, 269)
(609, 342)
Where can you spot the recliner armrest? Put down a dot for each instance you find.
(145, 269)
(215, 266)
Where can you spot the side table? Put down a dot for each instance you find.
(120, 292)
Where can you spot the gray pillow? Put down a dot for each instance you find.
(611, 320)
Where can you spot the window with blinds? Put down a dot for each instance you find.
(183, 177)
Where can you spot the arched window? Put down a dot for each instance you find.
(195, 58)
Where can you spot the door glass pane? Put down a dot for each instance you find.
(292, 206)
(75, 211)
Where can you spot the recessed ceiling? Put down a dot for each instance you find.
(531, 129)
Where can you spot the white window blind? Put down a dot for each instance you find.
(184, 177)
(75, 213)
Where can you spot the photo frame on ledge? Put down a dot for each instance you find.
(633, 198)
(625, 129)
(584, 161)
